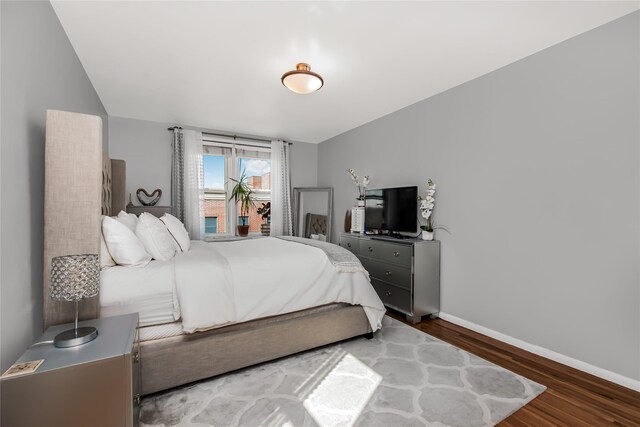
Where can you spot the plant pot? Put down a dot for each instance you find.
(265, 229)
(243, 230)
(427, 235)
(360, 203)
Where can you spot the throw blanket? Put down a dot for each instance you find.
(343, 260)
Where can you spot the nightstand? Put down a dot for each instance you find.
(153, 210)
(95, 384)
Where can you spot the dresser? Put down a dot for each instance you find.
(95, 384)
(404, 272)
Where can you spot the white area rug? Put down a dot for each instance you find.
(402, 377)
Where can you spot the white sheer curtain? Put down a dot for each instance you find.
(193, 185)
(281, 222)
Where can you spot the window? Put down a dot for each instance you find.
(211, 224)
(222, 161)
(258, 171)
(215, 195)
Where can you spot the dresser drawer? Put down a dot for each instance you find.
(350, 243)
(393, 296)
(394, 274)
(387, 252)
(405, 273)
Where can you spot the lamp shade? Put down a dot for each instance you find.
(302, 80)
(74, 277)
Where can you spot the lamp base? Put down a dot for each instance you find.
(74, 337)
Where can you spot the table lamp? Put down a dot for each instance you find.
(75, 277)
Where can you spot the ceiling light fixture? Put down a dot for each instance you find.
(302, 80)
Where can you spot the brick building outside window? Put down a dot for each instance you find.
(215, 205)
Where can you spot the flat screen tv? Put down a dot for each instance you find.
(391, 210)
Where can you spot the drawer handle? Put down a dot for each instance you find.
(348, 245)
(387, 293)
(136, 357)
(387, 273)
(136, 400)
(396, 253)
(370, 249)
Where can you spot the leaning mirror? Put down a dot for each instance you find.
(312, 212)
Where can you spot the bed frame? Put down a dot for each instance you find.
(72, 225)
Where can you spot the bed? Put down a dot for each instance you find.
(175, 346)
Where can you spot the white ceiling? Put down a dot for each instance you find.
(217, 65)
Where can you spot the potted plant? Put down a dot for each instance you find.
(243, 194)
(265, 212)
(427, 204)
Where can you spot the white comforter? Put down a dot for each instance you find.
(148, 291)
(229, 282)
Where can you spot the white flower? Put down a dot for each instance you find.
(356, 180)
(427, 203)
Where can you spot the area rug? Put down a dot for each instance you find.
(402, 377)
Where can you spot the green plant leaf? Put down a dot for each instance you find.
(243, 194)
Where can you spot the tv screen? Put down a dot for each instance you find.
(391, 209)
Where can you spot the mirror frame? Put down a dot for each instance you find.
(297, 191)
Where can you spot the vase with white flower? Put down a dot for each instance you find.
(427, 203)
(360, 185)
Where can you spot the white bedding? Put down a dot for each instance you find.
(149, 291)
(229, 282)
(156, 332)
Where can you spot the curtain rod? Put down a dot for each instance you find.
(246, 138)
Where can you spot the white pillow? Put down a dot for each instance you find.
(105, 257)
(178, 232)
(155, 237)
(128, 219)
(123, 245)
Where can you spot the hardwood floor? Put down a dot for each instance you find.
(572, 398)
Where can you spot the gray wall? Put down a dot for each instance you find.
(304, 165)
(40, 71)
(537, 166)
(146, 147)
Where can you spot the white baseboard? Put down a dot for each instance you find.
(549, 354)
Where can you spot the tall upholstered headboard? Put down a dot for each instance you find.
(118, 182)
(113, 185)
(72, 200)
(75, 197)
